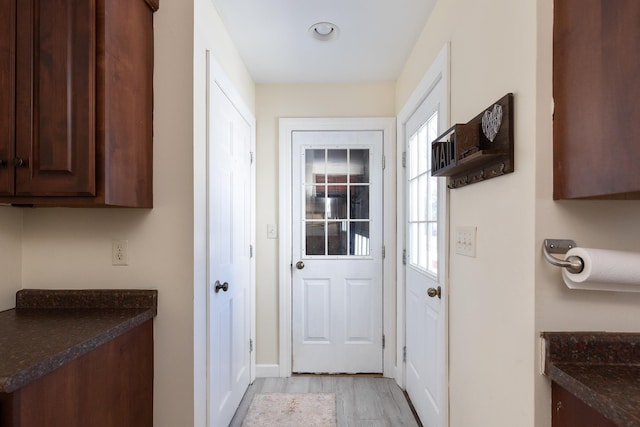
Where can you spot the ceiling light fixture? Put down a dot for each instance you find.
(324, 31)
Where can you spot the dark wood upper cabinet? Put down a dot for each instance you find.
(78, 80)
(7, 93)
(596, 90)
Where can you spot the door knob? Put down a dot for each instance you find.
(433, 292)
(224, 286)
(299, 265)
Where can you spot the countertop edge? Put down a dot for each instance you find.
(45, 366)
(597, 401)
(86, 298)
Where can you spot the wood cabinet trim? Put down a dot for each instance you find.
(153, 4)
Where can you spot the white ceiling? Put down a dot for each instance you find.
(375, 38)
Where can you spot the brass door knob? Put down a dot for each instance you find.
(433, 292)
(299, 265)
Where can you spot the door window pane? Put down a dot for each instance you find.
(337, 166)
(413, 156)
(432, 245)
(337, 234)
(422, 197)
(422, 245)
(413, 243)
(315, 238)
(359, 166)
(424, 148)
(337, 205)
(432, 207)
(359, 202)
(315, 166)
(315, 202)
(359, 239)
(413, 195)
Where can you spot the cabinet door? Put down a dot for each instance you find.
(7, 93)
(55, 98)
(596, 125)
(569, 411)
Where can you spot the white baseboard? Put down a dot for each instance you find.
(265, 371)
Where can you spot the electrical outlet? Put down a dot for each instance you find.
(120, 252)
(466, 241)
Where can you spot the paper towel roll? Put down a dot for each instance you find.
(604, 270)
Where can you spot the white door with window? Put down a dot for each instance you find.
(337, 237)
(229, 224)
(425, 291)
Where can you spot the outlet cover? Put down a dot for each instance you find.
(119, 252)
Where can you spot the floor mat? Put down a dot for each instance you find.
(292, 410)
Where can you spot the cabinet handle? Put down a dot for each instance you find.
(19, 162)
(558, 407)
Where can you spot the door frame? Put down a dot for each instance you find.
(286, 127)
(438, 71)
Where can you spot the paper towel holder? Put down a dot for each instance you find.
(573, 264)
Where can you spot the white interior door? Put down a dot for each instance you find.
(425, 293)
(229, 219)
(337, 251)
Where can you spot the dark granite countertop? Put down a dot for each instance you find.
(50, 328)
(601, 369)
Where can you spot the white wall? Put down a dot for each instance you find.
(491, 301)
(10, 255)
(295, 100)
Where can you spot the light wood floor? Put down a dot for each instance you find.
(360, 401)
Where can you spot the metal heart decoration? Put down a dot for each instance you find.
(491, 121)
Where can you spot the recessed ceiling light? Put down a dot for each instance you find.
(324, 31)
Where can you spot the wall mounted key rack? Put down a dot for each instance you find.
(478, 150)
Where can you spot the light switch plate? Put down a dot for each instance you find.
(466, 241)
(272, 231)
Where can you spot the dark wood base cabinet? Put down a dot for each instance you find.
(107, 387)
(569, 411)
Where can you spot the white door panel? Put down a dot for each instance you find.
(425, 290)
(337, 235)
(229, 210)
